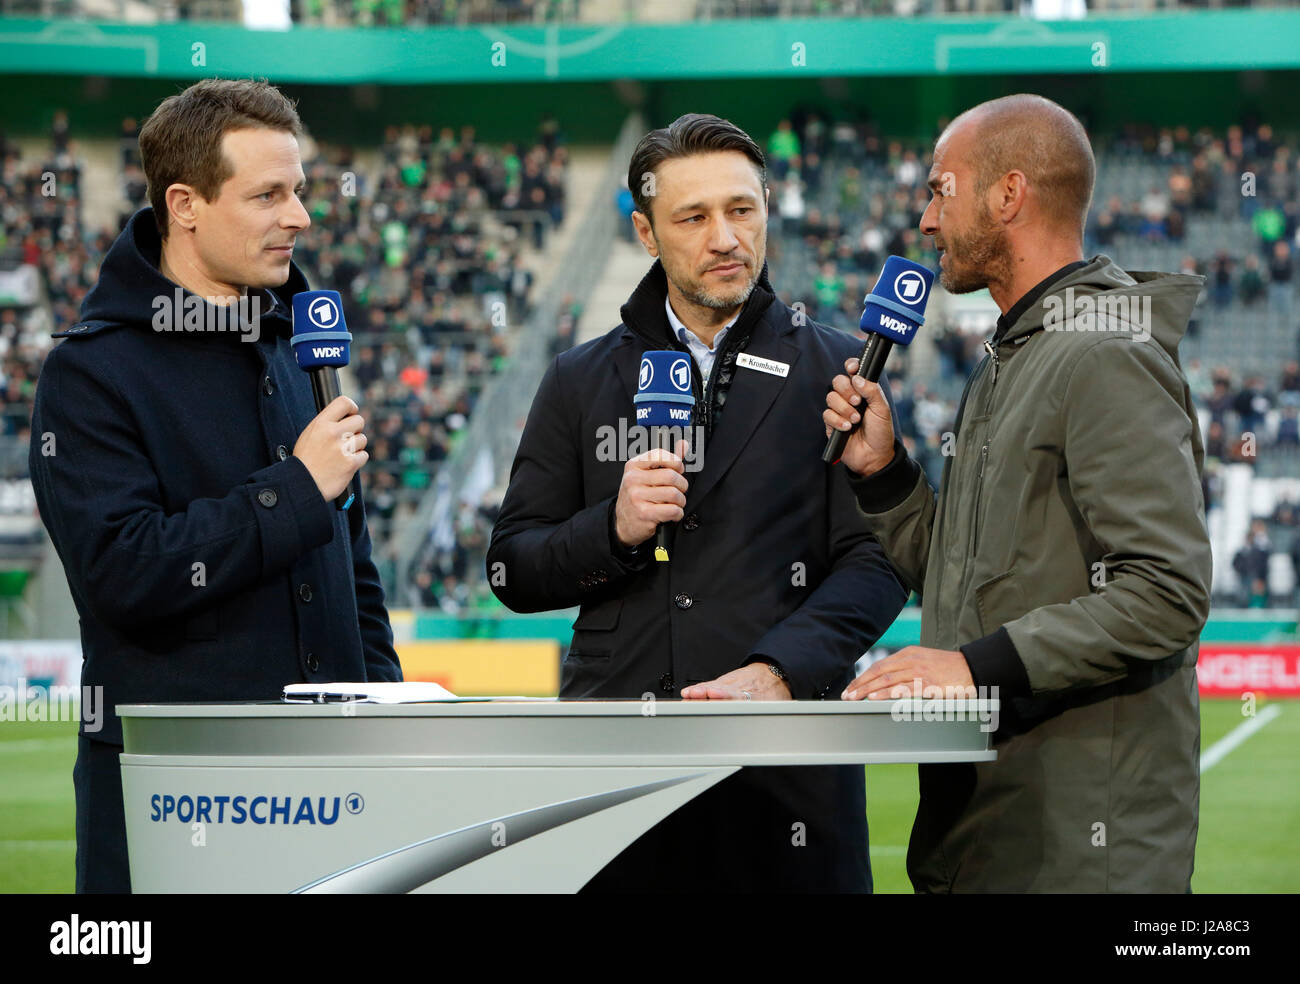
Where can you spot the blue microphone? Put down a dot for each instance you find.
(893, 311)
(321, 344)
(664, 401)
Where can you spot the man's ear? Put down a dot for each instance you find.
(645, 233)
(182, 201)
(1010, 195)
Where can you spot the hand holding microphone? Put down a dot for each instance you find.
(653, 491)
(851, 401)
(332, 445)
(894, 310)
(665, 406)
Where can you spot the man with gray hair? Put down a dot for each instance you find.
(1064, 564)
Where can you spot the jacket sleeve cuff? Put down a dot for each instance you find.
(994, 662)
(888, 487)
(292, 516)
(630, 558)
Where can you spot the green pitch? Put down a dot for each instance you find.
(1250, 808)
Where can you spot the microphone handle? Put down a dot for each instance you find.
(871, 363)
(662, 441)
(325, 390)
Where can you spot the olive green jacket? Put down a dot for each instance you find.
(1066, 554)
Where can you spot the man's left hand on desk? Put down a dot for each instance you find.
(900, 674)
(753, 682)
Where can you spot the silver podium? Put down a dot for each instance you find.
(492, 796)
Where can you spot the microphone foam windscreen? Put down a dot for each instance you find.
(664, 396)
(895, 308)
(320, 334)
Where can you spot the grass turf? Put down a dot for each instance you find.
(1250, 808)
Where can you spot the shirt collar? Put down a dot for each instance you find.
(682, 332)
(1031, 297)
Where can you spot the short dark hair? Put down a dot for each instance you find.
(686, 136)
(181, 140)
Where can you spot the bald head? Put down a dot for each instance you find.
(1036, 136)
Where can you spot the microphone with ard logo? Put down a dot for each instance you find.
(321, 344)
(895, 308)
(665, 403)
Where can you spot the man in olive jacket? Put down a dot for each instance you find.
(1065, 560)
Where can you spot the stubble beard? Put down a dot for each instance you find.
(985, 258)
(721, 298)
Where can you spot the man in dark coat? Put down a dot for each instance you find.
(773, 588)
(207, 561)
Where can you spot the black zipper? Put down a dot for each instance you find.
(984, 454)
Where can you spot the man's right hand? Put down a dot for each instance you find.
(332, 447)
(871, 446)
(653, 491)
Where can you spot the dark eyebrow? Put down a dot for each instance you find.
(700, 206)
(277, 185)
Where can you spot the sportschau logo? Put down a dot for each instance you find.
(258, 810)
(909, 287)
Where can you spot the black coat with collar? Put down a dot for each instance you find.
(772, 561)
(203, 561)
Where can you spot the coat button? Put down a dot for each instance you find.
(692, 522)
(666, 683)
(282, 452)
(304, 592)
(268, 387)
(313, 663)
(684, 601)
(268, 498)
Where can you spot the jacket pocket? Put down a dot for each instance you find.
(593, 629)
(999, 600)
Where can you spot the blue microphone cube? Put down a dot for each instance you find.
(895, 308)
(320, 333)
(665, 396)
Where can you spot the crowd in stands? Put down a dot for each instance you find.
(333, 13)
(1044, 9)
(844, 198)
(40, 226)
(425, 237)
(425, 243)
(398, 13)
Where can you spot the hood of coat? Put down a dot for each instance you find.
(1103, 297)
(644, 311)
(131, 289)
